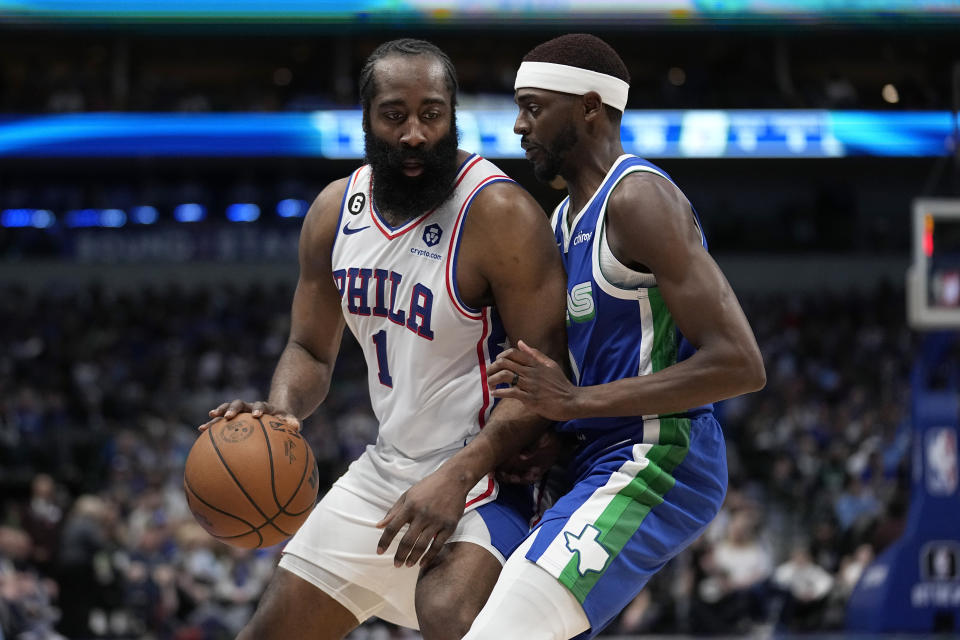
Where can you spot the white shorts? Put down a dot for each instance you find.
(336, 548)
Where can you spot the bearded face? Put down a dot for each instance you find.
(548, 166)
(405, 196)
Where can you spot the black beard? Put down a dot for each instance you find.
(405, 197)
(554, 156)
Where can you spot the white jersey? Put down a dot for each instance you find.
(426, 350)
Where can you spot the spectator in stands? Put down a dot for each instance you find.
(805, 587)
(88, 578)
(42, 518)
(856, 504)
(737, 569)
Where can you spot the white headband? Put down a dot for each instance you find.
(566, 79)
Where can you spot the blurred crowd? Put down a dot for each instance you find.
(213, 69)
(101, 392)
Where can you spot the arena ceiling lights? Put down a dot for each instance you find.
(454, 13)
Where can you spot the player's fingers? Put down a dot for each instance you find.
(511, 373)
(503, 377)
(523, 357)
(419, 548)
(499, 365)
(208, 424)
(391, 524)
(534, 353)
(515, 375)
(219, 410)
(391, 527)
(237, 406)
(261, 408)
(436, 545)
(513, 354)
(510, 362)
(514, 393)
(290, 419)
(407, 543)
(385, 521)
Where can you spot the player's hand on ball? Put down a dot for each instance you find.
(228, 410)
(432, 510)
(231, 463)
(535, 380)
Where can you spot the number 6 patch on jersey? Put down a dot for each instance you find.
(355, 205)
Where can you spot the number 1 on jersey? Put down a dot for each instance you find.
(380, 340)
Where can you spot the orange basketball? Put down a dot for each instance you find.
(251, 482)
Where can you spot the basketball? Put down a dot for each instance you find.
(251, 482)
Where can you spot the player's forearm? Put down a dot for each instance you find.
(511, 428)
(701, 379)
(300, 381)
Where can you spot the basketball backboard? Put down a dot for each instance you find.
(933, 279)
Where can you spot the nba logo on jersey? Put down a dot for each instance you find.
(941, 454)
(432, 235)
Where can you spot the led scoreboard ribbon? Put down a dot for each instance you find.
(338, 134)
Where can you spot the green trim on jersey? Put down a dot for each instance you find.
(665, 343)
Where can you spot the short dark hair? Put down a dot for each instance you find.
(581, 50)
(404, 47)
(585, 51)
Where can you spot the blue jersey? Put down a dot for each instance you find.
(645, 487)
(613, 332)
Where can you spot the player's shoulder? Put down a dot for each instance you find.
(500, 197)
(475, 161)
(506, 206)
(645, 190)
(320, 223)
(648, 211)
(330, 197)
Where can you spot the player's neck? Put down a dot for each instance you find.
(589, 170)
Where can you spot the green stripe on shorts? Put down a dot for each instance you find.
(628, 509)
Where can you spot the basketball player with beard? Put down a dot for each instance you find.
(433, 258)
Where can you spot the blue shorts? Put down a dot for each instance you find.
(633, 507)
(508, 518)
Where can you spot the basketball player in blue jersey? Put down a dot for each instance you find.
(655, 336)
(431, 256)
